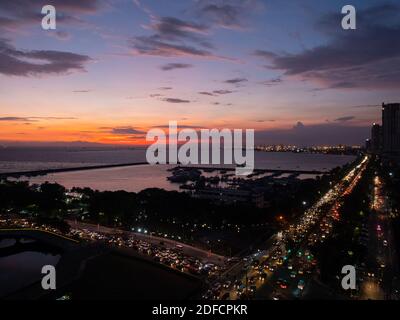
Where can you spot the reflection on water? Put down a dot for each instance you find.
(21, 262)
(137, 178)
(132, 179)
(6, 243)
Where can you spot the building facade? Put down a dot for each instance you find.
(376, 138)
(391, 128)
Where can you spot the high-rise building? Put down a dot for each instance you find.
(391, 128)
(376, 138)
(368, 145)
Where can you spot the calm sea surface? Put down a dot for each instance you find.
(134, 178)
(20, 268)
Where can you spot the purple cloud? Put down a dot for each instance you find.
(223, 92)
(366, 58)
(175, 100)
(272, 82)
(174, 37)
(16, 13)
(236, 80)
(13, 61)
(206, 93)
(126, 131)
(228, 14)
(173, 66)
(344, 119)
(215, 92)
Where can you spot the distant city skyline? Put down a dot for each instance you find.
(114, 69)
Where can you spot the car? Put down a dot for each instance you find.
(207, 295)
(271, 268)
(227, 284)
(277, 296)
(216, 294)
(282, 283)
(237, 284)
(252, 280)
(293, 274)
(263, 276)
(301, 284)
(240, 289)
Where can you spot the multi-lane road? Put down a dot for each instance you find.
(288, 264)
(381, 264)
(189, 250)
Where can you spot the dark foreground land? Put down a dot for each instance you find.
(89, 272)
(117, 276)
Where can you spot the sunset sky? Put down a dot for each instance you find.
(113, 69)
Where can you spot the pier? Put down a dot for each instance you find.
(48, 171)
